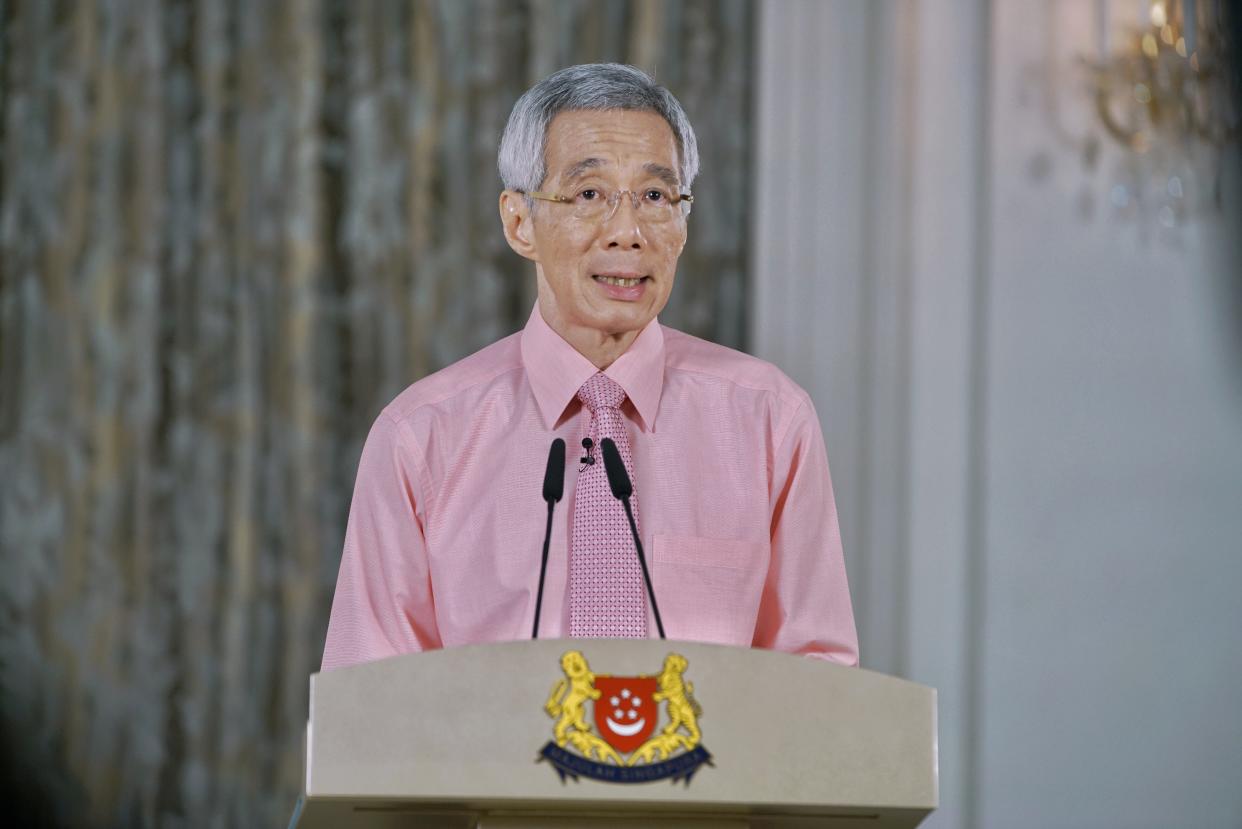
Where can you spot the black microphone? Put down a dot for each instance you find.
(622, 489)
(554, 477)
(553, 489)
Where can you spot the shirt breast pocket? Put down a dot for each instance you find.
(709, 588)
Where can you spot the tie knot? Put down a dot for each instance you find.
(601, 390)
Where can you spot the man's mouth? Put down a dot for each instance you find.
(619, 281)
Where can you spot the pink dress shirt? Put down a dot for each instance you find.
(738, 519)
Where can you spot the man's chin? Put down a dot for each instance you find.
(623, 317)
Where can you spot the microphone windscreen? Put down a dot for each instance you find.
(554, 478)
(618, 479)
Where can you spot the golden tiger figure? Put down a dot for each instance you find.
(683, 712)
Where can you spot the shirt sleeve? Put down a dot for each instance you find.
(383, 604)
(805, 607)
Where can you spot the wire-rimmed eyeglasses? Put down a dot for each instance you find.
(652, 205)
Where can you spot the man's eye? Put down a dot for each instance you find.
(588, 194)
(656, 196)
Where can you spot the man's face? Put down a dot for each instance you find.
(581, 261)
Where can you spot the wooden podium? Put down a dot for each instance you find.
(497, 736)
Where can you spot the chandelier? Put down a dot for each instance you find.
(1165, 96)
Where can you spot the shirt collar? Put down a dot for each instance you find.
(556, 370)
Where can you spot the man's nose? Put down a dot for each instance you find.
(622, 228)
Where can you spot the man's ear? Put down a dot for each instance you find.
(516, 219)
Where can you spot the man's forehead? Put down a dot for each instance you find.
(585, 166)
(581, 141)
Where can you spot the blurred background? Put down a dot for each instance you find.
(998, 241)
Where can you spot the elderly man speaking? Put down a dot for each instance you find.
(731, 495)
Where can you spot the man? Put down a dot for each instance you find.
(733, 498)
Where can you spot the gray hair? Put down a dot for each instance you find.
(598, 86)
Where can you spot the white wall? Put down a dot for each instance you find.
(1034, 416)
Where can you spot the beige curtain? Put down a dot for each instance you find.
(229, 233)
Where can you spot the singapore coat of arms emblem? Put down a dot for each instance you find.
(624, 745)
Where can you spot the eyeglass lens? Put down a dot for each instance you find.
(604, 207)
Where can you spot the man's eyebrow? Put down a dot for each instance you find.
(578, 168)
(664, 174)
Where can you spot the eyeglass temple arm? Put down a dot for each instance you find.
(536, 194)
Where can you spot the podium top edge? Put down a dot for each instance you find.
(645, 648)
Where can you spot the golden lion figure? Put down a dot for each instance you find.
(683, 712)
(568, 701)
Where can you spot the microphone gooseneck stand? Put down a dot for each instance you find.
(553, 489)
(622, 488)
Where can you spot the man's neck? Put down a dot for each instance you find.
(601, 348)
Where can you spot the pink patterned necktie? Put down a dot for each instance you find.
(606, 593)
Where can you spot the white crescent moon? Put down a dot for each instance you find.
(625, 730)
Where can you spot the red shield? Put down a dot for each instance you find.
(625, 712)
